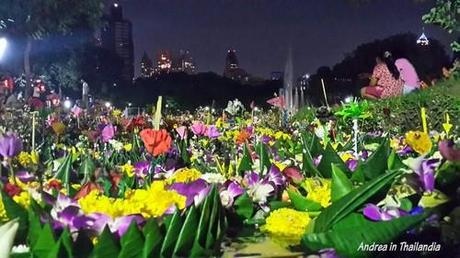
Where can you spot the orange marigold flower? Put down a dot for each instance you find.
(156, 142)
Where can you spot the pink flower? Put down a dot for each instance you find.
(182, 132)
(108, 132)
(199, 129)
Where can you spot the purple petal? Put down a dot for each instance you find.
(251, 178)
(317, 160)
(213, 132)
(275, 176)
(121, 224)
(25, 176)
(235, 189)
(372, 211)
(352, 164)
(100, 220)
(189, 190)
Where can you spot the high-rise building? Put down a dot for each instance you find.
(232, 69)
(117, 36)
(185, 62)
(146, 66)
(164, 62)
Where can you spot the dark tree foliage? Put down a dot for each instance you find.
(201, 89)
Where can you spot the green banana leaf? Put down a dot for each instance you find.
(244, 206)
(375, 165)
(154, 236)
(64, 170)
(264, 158)
(106, 245)
(14, 210)
(330, 157)
(132, 242)
(355, 230)
(352, 201)
(172, 235)
(301, 203)
(45, 242)
(187, 233)
(341, 185)
(87, 169)
(245, 163)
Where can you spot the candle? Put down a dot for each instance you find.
(158, 114)
(324, 93)
(33, 131)
(424, 124)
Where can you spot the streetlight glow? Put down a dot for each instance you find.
(108, 104)
(67, 104)
(3, 45)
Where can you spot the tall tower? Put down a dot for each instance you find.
(146, 66)
(118, 37)
(232, 69)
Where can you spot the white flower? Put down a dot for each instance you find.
(20, 249)
(213, 178)
(116, 145)
(259, 192)
(226, 198)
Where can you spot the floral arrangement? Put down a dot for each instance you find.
(101, 184)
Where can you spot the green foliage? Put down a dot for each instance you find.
(401, 114)
(354, 230)
(446, 14)
(353, 200)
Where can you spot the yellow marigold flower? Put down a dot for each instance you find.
(117, 112)
(319, 190)
(185, 175)
(22, 199)
(128, 147)
(150, 203)
(128, 169)
(58, 128)
(3, 216)
(24, 159)
(419, 141)
(286, 225)
(282, 136)
(346, 156)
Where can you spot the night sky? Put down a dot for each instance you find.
(320, 32)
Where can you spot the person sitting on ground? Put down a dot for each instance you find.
(385, 79)
(408, 75)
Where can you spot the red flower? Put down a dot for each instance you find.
(156, 142)
(53, 183)
(86, 189)
(12, 190)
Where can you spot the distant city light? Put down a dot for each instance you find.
(3, 45)
(67, 104)
(130, 104)
(115, 5)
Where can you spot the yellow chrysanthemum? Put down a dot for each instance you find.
(117, 112)
(281, 136)
(346, 156)
(3, 216)
(22, 199)
(128, 169)
(286, 225)
(185, 175)
(419, 141)
(128, 147)
(24, 159)
(319, 190)
(153, 202)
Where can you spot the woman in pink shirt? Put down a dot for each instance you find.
(408, 75)
(385, 80)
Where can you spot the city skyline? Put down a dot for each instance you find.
(262, 33)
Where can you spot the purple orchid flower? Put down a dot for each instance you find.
(317, 160)
(108, 132)
(199, 129)
(373, 212)
(67, 213)
(425, 173)
(10, 145)
(405, 151)
(228, 196)
(449, 151)
(142, 168)
(25, 176)
(212, 132)
(265, 139)
(352, 164)
(194, 191)
(118, 225)
(275, 176)
(258, 189)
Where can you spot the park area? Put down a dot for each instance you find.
(85, 173)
